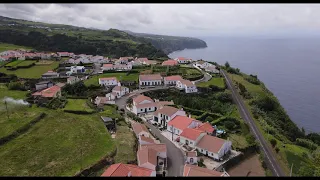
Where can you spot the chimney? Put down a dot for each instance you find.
(189, 115)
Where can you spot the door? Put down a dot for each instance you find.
(187, 142)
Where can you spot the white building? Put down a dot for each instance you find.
(191, 157)
(120, 91)
(111, 96)
(128, 170)
(166, 113)
(109, 81)
(187, 86)
(151, 155)
(171, 80)
(72, 79)
(179, 123)
(191, 137)
(140, 129)
(122, 67)
(182, 60)
(77, 69)
(145, 140)
(45, 56)
(212, 69)
(150, 80)
(107, 67)
(202, 64)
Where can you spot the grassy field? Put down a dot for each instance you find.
(5, 92)
(44, 62)
(120, 76)
(14, 63)
(26, 63)
(77, 105)
(217, 81)
(289, 153)
(19, 115)
(6, 47)
(59, 145)
(32, 72)
(125, 142)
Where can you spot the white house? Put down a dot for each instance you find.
(151, 155)
(143, 104)
(120, 91)
(213, 147)
(72, 79)
(107, 67)
(140, 129)
(212, 69)
(111, 96)
(109, 81)
(22, 57)
(202, 64)
(191, 157)
(191, 137)
(65, 54)
(182, 60)
(77, 69)
(187, 86)
(166, 113)
(171, 80)
(179, 123)
(45, 56)
(150, 80)
(122, 67)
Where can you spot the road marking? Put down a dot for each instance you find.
(248, 120)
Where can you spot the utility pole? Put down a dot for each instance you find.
(5, 102)
(172, 133)
(291, 170)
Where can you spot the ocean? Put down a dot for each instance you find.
(289, 67)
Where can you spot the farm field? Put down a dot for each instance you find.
(6, 47)
(120, 76)
(32, 72)
(77, 105)
(59, 145)
(217, 81)
(5, 92)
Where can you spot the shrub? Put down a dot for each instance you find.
(16, 86)
(277, 149)
(229, 125)
(306, 143)
(273, 142)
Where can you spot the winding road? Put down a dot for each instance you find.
(244, 112)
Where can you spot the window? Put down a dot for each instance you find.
(201, 150)
(190, 142)
(170, 128)
(141, 109)
(149, 108)
(160, 115)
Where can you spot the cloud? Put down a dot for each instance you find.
(175, 19)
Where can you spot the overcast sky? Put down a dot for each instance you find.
(177, 19)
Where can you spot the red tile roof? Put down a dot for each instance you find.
(192, 170)
(146, 139)
(187, 83)
(182, 58)
(173, 78)
(147, 155)
(211, 143)
(49, 92)
(141, 98)
(150, 77)
(118, 88)
(138, 127)
(147, 105)
(123, 170)
(158, 147)
(207, 127)
(180, 122)
(169, 63)
(167, 110)
(191, 153)
(191, 134)
(107, 65)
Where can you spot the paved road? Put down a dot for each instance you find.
(175, 156)
(269, 156)
(206, 76)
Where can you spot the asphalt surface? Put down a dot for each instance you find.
(268, 154)
(175, 157)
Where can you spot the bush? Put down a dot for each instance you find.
(16, 86)
(273, 142)
(277, 149)
(306, 143)
(229, 125)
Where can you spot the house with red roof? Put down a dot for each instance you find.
(146, 140)
(191, 137)
(196, 171)
(101, 100)
(120, 91)
(152, 156)
(171, 80)
(128, 170)
(191, 157)
(179, 123)
(106, 67)
(206, 127)
(109, 81)
(187, 86)
(169, 62)
(65, 54)
(140, 129)
(165, 114)
(213, 147)
(150, 80)
(182, 60)
(51, 92)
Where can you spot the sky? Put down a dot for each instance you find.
(196, 20)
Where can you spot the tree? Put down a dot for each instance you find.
(227, 65)
(273, 142)
(277, 149)
(229, 125)
(209, 119)
(306, 170)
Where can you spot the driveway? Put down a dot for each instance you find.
(175, 156)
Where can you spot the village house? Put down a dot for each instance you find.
(202, 64)
(196, 171)
(169, 62)
(213, 147)
(51, 92)
(140, 129)
(207, 127)
(111, 96)
(191, 157)
(30, 55)
(109, 81)
(145, 140)
(107, 67)
(191, 137)
(77, 69)
(182, 60)
(143, 104)
(65, 54)
(50, 75)
(43, 85)
(166, 113)
(122, 67)
(212, 69)
(21, 57)
(150, 80)
(179, 123)
(152, 156)
(72, 79)
(120, 91)
(136, 62)
(100, 100)
(122, 60)
(171, 80)
(128, 170)
(187, 86)
(45, 56)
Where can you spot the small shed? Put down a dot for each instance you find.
(109, 122)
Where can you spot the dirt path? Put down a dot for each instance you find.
(251, 164)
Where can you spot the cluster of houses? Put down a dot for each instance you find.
(190, 132)
(176, 81)
(151, 156)
(176, 61)
(208, 67)
(21, 54)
